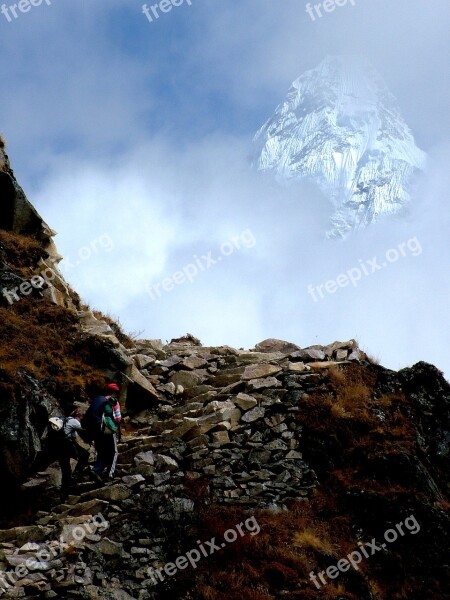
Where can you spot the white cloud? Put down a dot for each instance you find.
(159, 223)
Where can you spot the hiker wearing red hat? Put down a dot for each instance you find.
(102, 420)
(114, 392)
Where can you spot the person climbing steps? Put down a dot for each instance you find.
(107, 444)
(63, 440)
(101, 422)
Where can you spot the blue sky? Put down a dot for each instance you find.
(142, 132)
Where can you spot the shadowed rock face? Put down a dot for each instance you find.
(16, 212)
(8, 197)
(24, 409)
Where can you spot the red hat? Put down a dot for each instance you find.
(113, 387)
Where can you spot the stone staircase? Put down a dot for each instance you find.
(225, 430)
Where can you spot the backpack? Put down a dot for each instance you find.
(92, 420)
(106, 425)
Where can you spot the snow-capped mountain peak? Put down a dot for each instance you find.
(341, 127)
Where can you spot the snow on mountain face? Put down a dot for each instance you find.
(341, 127)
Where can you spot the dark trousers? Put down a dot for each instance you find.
(67, 451)
(106, 447)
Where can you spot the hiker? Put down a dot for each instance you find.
(65, 447)
(114, 392)
(99, 423)
(107, 452)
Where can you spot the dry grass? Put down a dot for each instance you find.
(336, 375)
(44, 339)
(21, 252)
(277, 561)
(346, 395)
(352, 402)
(309, 540)
(40, 337)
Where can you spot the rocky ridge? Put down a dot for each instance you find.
(229, 429)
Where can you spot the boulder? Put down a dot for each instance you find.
(227, 413)
(245, 401)
(200, 441)
(91, 507)
(333, 348)
(253, 415)
(296, 366)
(220, 437)
(171, 362)
(223, 426)
(25, 409)
(144, 458)
(139, 391)
(23, 535)
(193, 362)
(252, 358)
(216, 405)
(274, 345)
(17, 214)
(111, 493)
(226, 377)
(308, 355)
(152, 347)
(355, 355)
(108, 547)
(93, 326)
(267, 382)
(317, 366)
(166, 463)
(181, 430)
(142, 361)
(260, 371)
(187, 379)
(132, 481)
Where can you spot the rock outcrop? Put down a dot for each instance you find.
(17, 214)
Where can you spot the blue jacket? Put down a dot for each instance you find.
(92, 420)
